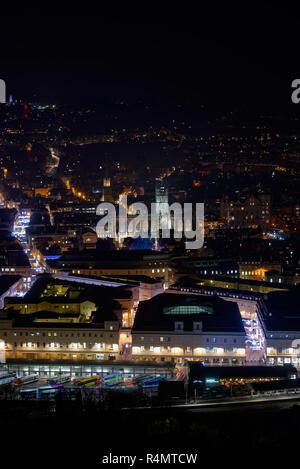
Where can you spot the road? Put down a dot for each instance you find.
(230, 402)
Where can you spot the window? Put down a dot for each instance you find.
(179, 325)
(188, 309)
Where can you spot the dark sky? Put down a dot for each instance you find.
(243, 56)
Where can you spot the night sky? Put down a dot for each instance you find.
(223, 58)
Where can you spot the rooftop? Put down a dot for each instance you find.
(198, 371)
(7, 281)
(53, 290)
(126, 279)
(283, 310)
(160, 313)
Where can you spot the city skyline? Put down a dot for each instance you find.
(150, 236)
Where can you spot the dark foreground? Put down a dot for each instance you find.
(65, 434)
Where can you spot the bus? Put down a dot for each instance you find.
(111, 380)
(140, 378)
(59, 379)
(91, 381)
(152, 382)
(42, 392)
(6, 378)
(180, 376)
(26, 380)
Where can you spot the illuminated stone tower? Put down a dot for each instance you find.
(106, 190)
(162, 199)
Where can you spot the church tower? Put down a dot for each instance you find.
(106, 190)
(162, 199)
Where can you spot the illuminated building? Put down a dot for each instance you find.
(162, 208)
(256, 269)
(73, 301)
(143, 287)
(271, 321)
(201, 377)
(246, 212)
(250, 285)
(208, 266)
(280, 315)
(247, 303)
(27, 339)
(60, 319)
(106, 190)
(174, 327)
(140, 262)
(87, 239)
(21, 224)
